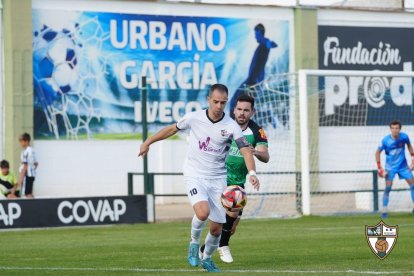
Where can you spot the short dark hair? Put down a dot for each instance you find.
(25, 137)
(4, 164)
(246, 98)
(395, 122)
(259, 27)
(220, 87)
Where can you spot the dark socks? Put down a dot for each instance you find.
(226, 233)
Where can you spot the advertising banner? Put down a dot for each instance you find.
(371, 101)
(73, 211)
(88, 67)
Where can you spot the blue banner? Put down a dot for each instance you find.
(88, 67)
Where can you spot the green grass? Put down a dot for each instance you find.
(321, 245)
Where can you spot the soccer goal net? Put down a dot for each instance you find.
(323, 129)
(275, 111)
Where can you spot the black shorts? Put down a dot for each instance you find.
(28, 185)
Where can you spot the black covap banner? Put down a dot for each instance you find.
(359, 100)
(72, 211)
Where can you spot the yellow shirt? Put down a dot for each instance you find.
(9, 178)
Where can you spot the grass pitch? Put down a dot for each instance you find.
(303, 246)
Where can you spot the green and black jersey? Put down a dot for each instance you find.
(236, 168)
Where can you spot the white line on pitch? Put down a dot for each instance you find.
(115, 269)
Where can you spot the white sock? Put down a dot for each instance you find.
(196, 229)
(211, 243)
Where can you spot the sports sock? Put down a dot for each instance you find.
(386, 197)
(226, 233)
(211, 244)
(196, 229)
(412, 192)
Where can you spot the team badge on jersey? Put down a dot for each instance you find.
(224, 133)
(262, 133)
(381, 238)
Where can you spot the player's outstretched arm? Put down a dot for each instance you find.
(164, 133)
(251, 166)
(271, 44)
(411, 150)
(381, 171)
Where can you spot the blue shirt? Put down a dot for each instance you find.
(394, 151)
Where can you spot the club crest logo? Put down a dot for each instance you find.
(224, 132)
(381, 238)
(262, 133)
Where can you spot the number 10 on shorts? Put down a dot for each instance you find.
(193, 191)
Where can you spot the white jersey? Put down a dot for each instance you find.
(209, 143)
(28, 157)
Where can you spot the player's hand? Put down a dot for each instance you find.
(255, 182)
(143, 150)
(381, 172)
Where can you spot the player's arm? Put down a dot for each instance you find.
(163, 134)
(251, 167)
(262, 153)
(14, 183)
(243, 145)
(13, 190)
(411, 150)
(36, 164)
(381, 171)
(270, 44)
(21, 176)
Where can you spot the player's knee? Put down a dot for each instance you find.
(216, 231)
(202, 211)
(203, 216)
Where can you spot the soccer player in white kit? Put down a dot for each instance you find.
(211, 134)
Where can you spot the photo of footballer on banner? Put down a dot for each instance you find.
(88, 67)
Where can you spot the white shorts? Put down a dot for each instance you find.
(202, 189)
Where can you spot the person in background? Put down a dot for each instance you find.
(28, 166)
(8, 181)
(394, 145)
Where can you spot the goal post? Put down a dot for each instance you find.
(359, 103)
(304, 142)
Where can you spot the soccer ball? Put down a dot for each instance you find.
(233, 198)
(54, 63)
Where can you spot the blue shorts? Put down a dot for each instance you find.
(404, 173)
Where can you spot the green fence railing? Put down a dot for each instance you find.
(149, 185)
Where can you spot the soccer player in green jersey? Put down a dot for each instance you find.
(237, 170)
